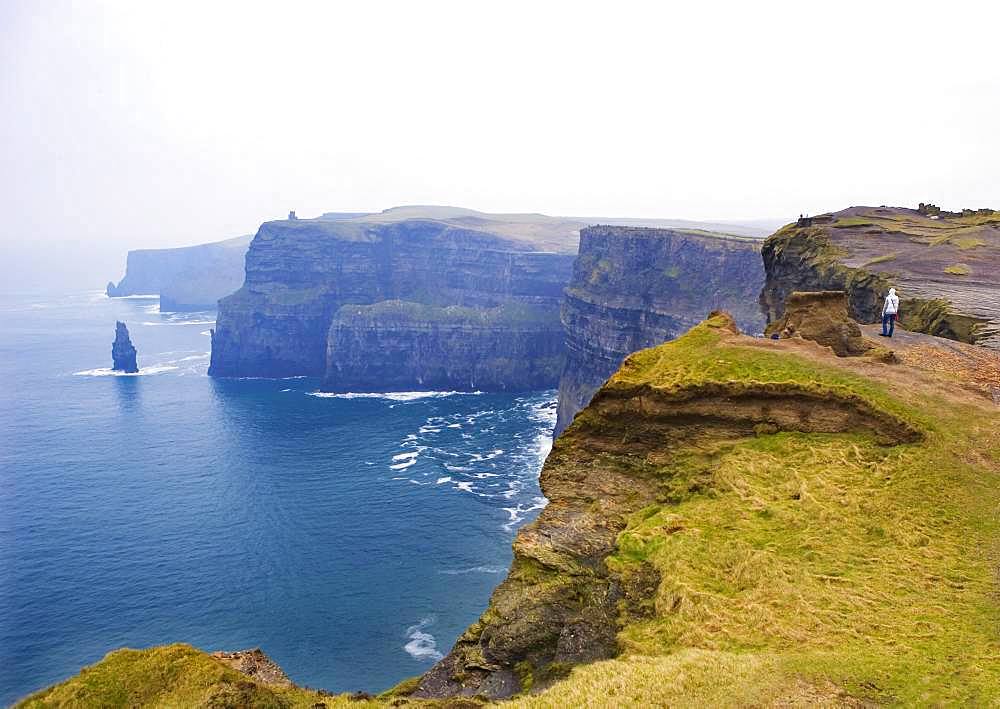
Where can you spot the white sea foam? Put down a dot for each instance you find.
(475, 570)
(206, 333)
(404, 465)
(410, 454)
(108, 372)
(180, 322)
(443, 480)
(517, 513)
(393, 395)
(422, 645)
(140, 297)
(464, 486)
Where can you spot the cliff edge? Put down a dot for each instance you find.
(944, 266)
(637, 287)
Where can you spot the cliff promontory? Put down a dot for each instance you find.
(186, 278)
(374, 303)
(636, 287)
(733, 521)
(944, 266)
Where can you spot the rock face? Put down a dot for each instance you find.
(123, 356)
(821, 316)
(637, 287)
(649, 436)
(400, 345)
(442, 300)
(188, 278)
(945, 266)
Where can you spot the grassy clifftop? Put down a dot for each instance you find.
(733, 522)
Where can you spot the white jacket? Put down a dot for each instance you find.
(891, 306)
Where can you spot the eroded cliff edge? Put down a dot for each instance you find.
(636, 287)
(734, 521)
(753, 522)
(186, 278)
(383, 305)
(944, 266)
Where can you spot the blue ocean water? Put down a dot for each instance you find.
(352, 537)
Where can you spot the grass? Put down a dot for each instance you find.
(174, 676)
(811, 569)
(968, 242)
(880, 259)
(958, 269)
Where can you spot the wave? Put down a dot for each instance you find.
(108, 372)
(392, 395)
(404, 456)
(517, 513)
(207, 333)
(422, 645)
(179, 322)
(404, 465)
(475, 570)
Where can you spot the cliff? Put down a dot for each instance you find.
(123, 355)
(187, 278)
(944, 266)
(733, 521)
(636, 287)
(299, 274)
(748, 522)
(399, 345)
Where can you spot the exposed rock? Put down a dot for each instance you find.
(256, 665)
(187, 278)
(123, 356)
(399, 345)
(637, 443)
(637, 287)
(821, 316)
(299, 274)
(945, 267)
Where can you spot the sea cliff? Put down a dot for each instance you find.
(287, 319)
(635, 287)
(733, 521)
(944, 266)
(186, 278)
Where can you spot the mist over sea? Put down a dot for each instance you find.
(351, 537)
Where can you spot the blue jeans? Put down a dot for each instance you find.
(888, 322)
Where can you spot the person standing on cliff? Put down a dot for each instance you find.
(890, 309)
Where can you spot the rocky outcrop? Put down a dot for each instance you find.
(945, 266)
(300, 274)
(821, 316)
(637, 287)
(399, 345)
(123, 355)
(650, 436)
(187, 278)
(256, 665)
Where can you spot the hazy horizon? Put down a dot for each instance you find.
(147, 125)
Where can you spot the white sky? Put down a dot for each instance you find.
(139, 124)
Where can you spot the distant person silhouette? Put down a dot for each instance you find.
(890, 311)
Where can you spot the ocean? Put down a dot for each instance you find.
(351, 537)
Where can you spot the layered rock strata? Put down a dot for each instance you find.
(651, 435)
(636, 287)
(944, 266)
(290, 317)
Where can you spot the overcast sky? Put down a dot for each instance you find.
(141, 124)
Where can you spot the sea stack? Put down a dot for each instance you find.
(122, 351)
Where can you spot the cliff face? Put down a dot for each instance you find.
(399, 345)
(637, 287)
(300, 273)
(188, 278)
(946, 268)
(765, 499)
